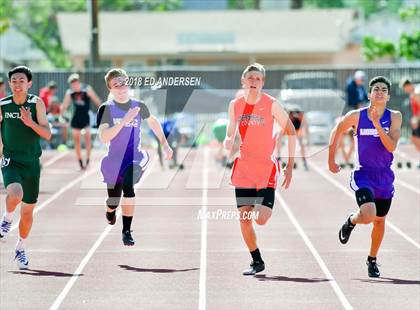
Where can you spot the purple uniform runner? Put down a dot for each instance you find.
(125, 149)
(372, 160)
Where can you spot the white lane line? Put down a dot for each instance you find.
(55, 158)
(346, 304)
(59, 193)
(408, 186)
(149, 168)
(82, 265)
(86, 259)
(48, 163)
(351, 195)
(405, 156)
(203, 252)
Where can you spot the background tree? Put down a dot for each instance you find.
(244, 4)
(38, 19)
(5, 8)
(367, 7)
(407, 47)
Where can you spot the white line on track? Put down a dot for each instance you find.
(351, 195)
(55, 158)
(60, 192)
(405, 156)
(82, 265)
(346, 304)
(48, 163)
(203, 251)
(88, 256)
(149, 168)
(408, 186)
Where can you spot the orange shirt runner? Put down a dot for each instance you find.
(255, 167)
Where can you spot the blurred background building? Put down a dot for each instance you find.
(309, 47)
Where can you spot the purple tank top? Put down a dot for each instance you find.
(127, 144)
(125, 148)
(370, 153)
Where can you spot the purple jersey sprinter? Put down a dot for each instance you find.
(378, 131)
(119, 122)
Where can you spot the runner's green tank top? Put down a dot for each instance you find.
(20, 142)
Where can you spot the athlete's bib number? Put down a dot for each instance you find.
(5, 162)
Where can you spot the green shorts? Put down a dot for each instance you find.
(27, 175)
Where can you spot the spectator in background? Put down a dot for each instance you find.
(356, 98)
(296, 115)
(80, 95)
(219, 132)
(47, 93)
(2, 88)
(356, 92)
(172, 134)
(57, 121)
(414, 97)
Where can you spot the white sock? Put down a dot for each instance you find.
(8, 216)
(20, 243)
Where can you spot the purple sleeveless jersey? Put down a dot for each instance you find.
(125, 148)
(372, 160)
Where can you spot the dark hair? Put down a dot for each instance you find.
(21, 69)
(380, 79)
(404, 82)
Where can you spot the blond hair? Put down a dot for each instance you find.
(73, 77)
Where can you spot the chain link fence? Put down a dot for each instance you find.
(320, 88)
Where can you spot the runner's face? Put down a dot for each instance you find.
(408, 89)
(119, 88)
(359, 81)
(19, 83)
(379, 93)
(253, 81)
(75, 86)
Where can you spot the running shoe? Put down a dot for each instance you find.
(4, 229)
(346, 230)
(127, 238)
(111, 217)
(21, 259)
(373, 270)
(254, 268)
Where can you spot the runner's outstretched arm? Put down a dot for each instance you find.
(231, 128)
(390, 141)
(350, 120)
(42, 127)
(91, 93)
(154, 124)
(106, 133)
(285, 123)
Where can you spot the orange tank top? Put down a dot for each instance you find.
(255, 124)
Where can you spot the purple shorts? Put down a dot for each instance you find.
(379, 181)
(113, 169)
